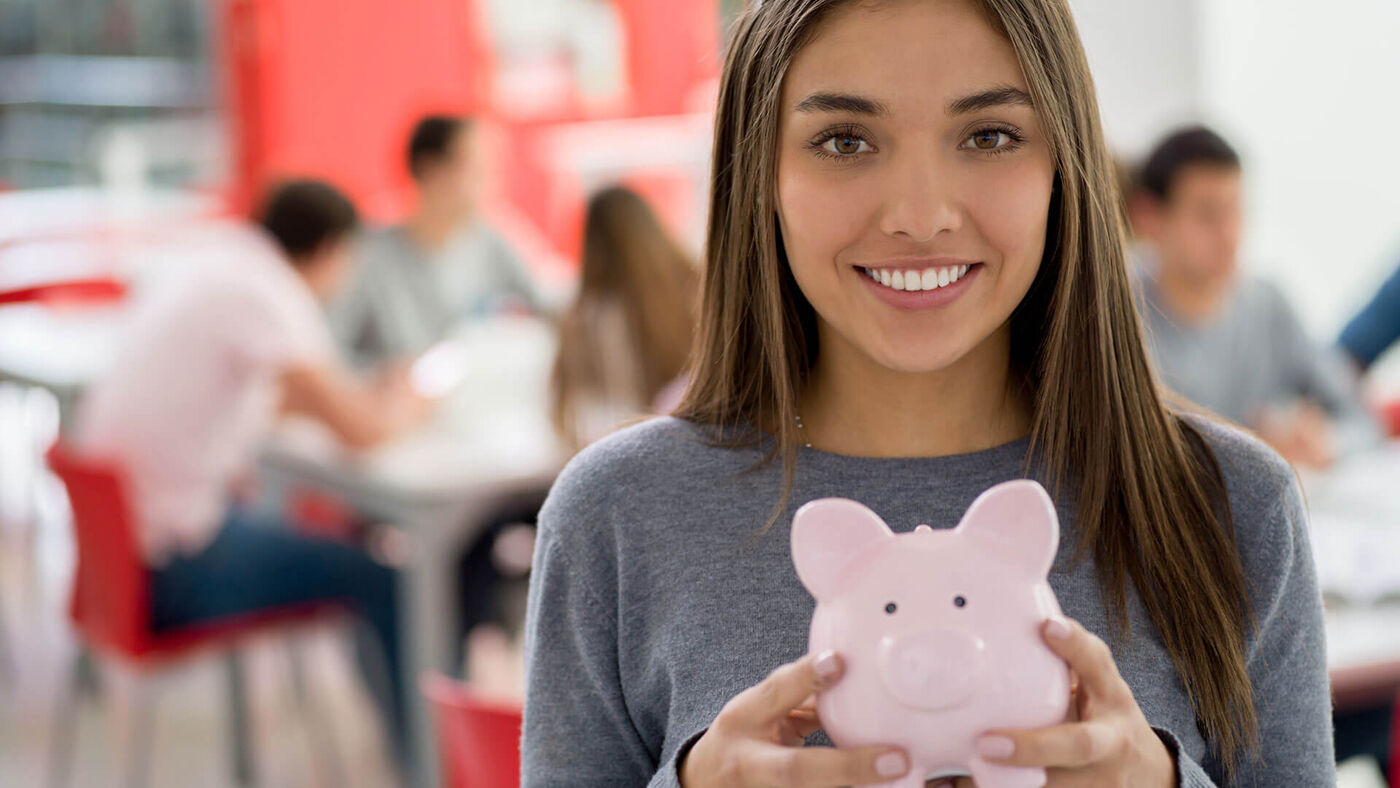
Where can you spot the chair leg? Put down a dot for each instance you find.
(318, 723)
(240, 740)
(140, 734)
(63, 735)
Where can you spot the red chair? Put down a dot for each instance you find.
(1394, 766)
(1390, 417)
(82, 291)
(478, 739)
(110, 612)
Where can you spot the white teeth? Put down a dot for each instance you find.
(913, 281)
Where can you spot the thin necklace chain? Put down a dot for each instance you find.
(806, 441)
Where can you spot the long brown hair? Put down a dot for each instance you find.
(632, 270)
(1150, 498)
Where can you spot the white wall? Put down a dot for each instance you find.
(1144, 57)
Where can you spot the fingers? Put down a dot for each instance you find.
(803, 723)
(782, 691)
(1088, 657)
(818, 767)
(1069, 745)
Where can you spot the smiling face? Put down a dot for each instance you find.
(913, 181)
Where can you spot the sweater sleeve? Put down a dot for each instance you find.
(1376, 327)
(1287, 658)
(577, 729)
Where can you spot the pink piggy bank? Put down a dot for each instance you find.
(939, 630)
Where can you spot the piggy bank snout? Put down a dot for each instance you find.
(932, 669)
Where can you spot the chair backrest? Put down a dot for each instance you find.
(82, 291)
(478, 740)
(110, 603)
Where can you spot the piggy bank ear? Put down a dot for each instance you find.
(1017, 520)
(827, 534)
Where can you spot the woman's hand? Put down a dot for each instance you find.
(1107, 741)
(757, 738)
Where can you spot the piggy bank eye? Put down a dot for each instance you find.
(959, 601)
(891, 607)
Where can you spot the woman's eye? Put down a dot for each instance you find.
(845, 145)
(988, 140)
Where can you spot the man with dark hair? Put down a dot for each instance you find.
(1233, 344)
(194, 390)
(306, 216)
(416, 281)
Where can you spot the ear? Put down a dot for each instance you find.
(827, 534)
(1015, 519)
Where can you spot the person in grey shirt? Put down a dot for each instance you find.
(415, 281)
(915, 289)
(1231, 343)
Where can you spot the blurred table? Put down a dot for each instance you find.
(490, 449)
(1363, 654)
(1354, 526)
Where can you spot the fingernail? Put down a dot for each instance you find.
(891, 764)
(1057, 628)
(826, 664)
(995, 747)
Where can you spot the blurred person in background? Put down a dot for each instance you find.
(1376, 328)
(414, 282)
(624, 342)
(1229, 343)
(196, 387)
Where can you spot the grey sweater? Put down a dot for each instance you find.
(400, 299)
(653, 600)
(1252, 355)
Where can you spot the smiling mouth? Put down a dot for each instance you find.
(915, 280)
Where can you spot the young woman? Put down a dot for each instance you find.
(915, 289)
(626, 337)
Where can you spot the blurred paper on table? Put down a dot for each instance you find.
(1354, 511)
(440, 369)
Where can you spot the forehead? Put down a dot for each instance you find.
(908, 54)
(1206, 181)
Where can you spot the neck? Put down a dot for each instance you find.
(853, 405)
(1187, 299)
(432, 227)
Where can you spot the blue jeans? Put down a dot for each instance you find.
(257, 562)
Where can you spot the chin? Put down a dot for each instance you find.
(915, 358)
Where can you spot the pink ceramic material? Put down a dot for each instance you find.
(939, 630)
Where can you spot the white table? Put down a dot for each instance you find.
(490, 449)
(1363, 653)
(1354, 524)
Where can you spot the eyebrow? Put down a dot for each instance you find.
(1002, 95)
(841, 102)
(999, 96)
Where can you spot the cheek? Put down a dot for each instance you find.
(819, 220)
(1010, 210)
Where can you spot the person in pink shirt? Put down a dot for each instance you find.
(211, 359)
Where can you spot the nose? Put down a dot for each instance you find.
(932, 669)
(920, 202)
